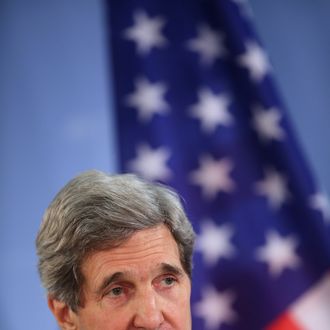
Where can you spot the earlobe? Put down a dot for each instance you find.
(65, 317)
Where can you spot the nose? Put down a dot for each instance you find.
(148, 313)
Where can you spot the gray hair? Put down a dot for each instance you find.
(97, 211)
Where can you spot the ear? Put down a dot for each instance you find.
(66, 318)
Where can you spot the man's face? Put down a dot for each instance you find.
(140, 284)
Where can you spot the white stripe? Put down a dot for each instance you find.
(312, 310)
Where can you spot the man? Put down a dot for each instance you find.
(115, 254)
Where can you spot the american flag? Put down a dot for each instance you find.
(197, 109)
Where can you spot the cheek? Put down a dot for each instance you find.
(178, 309)
(180, 315)
(100, 317)
(186, 312)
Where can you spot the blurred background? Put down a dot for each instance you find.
(56, 115)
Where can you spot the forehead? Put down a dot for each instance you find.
(140, 253)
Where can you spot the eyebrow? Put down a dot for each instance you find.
(171, 269)
(164, 267)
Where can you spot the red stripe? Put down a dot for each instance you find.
(284, 322)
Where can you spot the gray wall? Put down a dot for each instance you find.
(56, 119)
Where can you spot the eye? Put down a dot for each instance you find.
(115, 292)
(169, 280)
(119, 293)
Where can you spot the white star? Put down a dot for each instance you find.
(208, 44)
(255, 60)
(148, 99)
(214, 242)
(267, 124)
(215, 308)
(274, 188)
(213, 176)
(320, 202)
(211, 110)
(278, 253)
(151, 163)
(146, 32)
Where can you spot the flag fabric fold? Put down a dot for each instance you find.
(197, 108)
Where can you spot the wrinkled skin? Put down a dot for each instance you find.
(140, 284)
